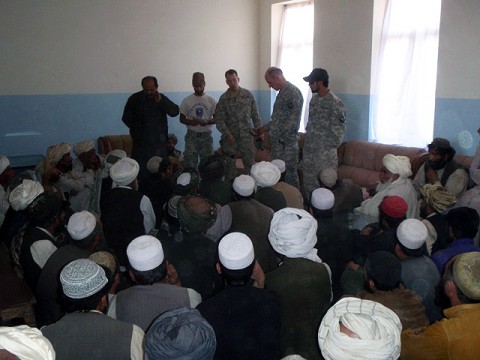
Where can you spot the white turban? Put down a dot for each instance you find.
(293, 233)
(83, 147)
(56, 152)
(26, 343)
(4, 163)
(113, 156)
(24, 194)
(153, 165)
(244, 185)
(378, 329)
(265, 174)
(398, 165)
(124, 171)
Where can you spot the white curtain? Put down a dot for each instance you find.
(295, 53)
(403, 97)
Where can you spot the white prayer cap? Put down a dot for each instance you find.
(184, 179)
(23, 195)
(82, 278)
(56, 152)
(153, 165)
(412, 233)
(173, 206)
(322, 199)
(378, 329)
(83, 147)
(81, 224)
(398, 165)
(124, 171)
(293, 233)
(114, 156)
(235, 251)
(145, 253)
(293, 357)
(4, 163)
(328, 177)
(280, 164)
(265, 174)
(244, 185)
(26, 343)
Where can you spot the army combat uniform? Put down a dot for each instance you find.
(234, 115)
(324, 134)
(286, 115)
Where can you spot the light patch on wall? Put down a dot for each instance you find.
(24, 133)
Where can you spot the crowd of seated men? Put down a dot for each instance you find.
(185, 265)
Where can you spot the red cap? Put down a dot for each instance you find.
(394, 206)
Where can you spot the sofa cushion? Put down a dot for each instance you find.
(361, 161)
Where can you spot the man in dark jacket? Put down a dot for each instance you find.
(145, 114)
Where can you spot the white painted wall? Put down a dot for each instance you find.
(459, 50)
(107, 46)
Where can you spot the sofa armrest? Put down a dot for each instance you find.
(108, 143)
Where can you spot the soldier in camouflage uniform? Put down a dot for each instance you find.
(283, 128)
(236, 109)
(324, 131)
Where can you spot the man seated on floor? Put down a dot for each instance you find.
(348, 195)
(293, 196)
(84, 237)
(157, 285)
(383, 284)
(266, 175)
(355, 328)
(463, 225)
(458, 335)
(126, 213)
(306, 298)
(419, 272)
(435, 201)
(180, 334)
(245, 316)
(85, 332)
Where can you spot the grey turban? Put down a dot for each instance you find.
(377, 327)
(293, 233)
(180, 334)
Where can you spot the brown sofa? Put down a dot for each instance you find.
(358, 160)
(361, 160)
(108, 143)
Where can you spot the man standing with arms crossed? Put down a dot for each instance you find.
(145, 114)
(285, 121)
(235, 112)
(196, 111)
(324, 131)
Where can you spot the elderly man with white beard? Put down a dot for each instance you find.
(394, 180)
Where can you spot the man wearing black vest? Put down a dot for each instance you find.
(126, 213)
(441, 169)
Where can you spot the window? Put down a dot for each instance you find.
(295, 46)
(404, 71)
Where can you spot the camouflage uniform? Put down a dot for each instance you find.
(324, 134)
(286, 115)
(234, 114)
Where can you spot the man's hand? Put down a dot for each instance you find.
(258, 276)
(157, 97)
(231, 139)
(431, 175)
(172, 277)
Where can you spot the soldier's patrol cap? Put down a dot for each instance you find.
(317, 74)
